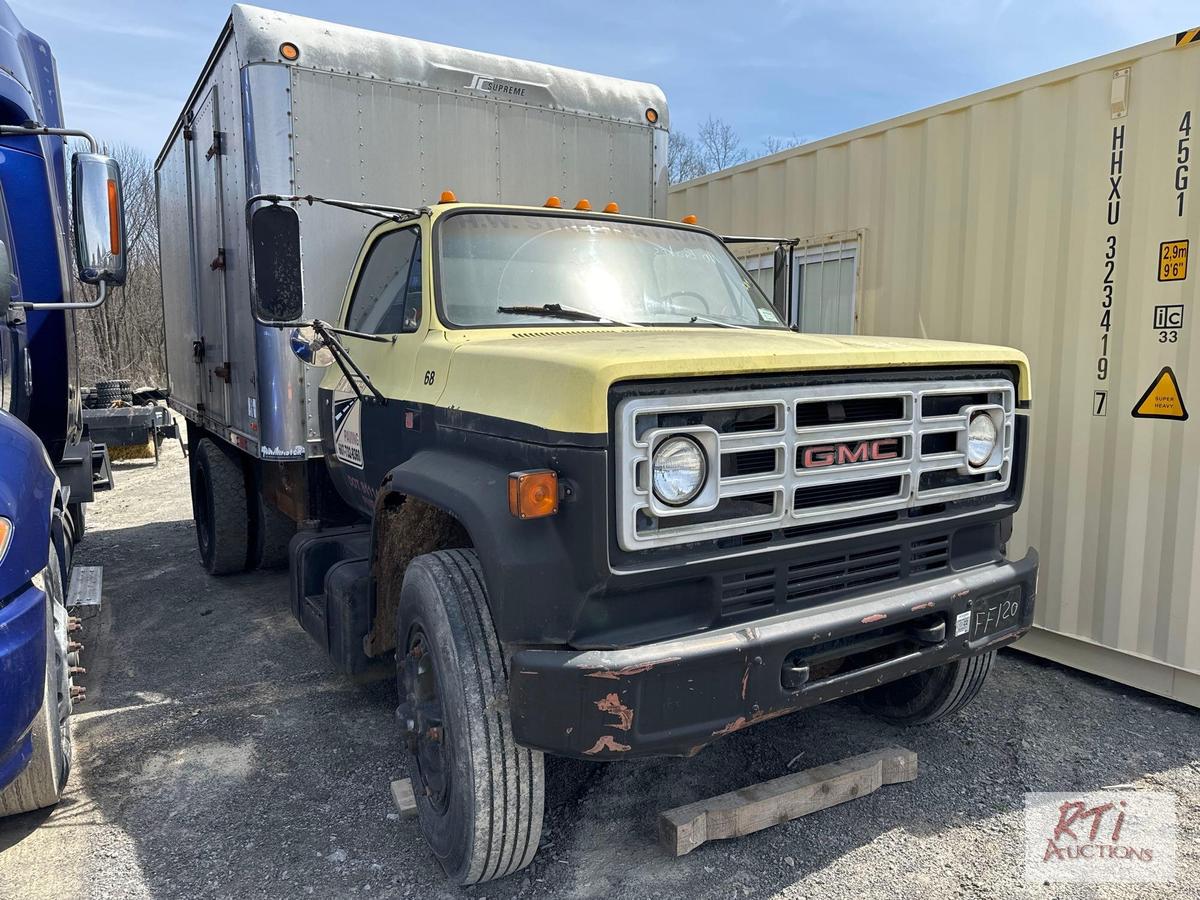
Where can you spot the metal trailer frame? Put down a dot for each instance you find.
(125, 426)
(357, 115)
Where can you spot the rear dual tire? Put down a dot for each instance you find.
(480, 796)
(219, 509)
(236, 529)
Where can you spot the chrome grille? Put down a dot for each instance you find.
(759, 442)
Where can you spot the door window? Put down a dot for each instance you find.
(387, 298)
(824, 284)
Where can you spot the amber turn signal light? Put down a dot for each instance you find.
(532, 495)
(114, 218)
(652, 115)
(6, 531)
(289, 51)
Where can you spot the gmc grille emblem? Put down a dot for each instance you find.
(820, 456)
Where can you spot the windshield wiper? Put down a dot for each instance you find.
(558, 311)
(694, 319)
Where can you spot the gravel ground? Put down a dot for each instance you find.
(219, 756)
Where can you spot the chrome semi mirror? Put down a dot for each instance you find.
(278, 279)
(99, 219)
(310, 348)
(5, 280)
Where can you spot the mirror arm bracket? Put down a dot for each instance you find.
(347, 364)
(101, 296)
(378, 338)
(34, 130)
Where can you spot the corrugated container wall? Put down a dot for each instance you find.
(1050, 215)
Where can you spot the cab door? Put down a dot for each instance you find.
(387, 299)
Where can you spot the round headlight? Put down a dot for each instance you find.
(679, 470)
(981, 439)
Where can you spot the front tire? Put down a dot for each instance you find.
(480, 797)
(43, 779)
(925, 697)
(219, 509)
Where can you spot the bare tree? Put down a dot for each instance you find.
(716, 146)
(720, 145)
(684, 161)
(774, 143)
(124, 338)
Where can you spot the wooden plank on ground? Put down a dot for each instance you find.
(741, 812)
(404, 798)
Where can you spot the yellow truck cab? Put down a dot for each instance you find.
(619, 509)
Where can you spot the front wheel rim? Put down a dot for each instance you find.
(424, 721)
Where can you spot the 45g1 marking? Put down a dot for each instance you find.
(1181, 158)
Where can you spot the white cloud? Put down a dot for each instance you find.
(88, 20)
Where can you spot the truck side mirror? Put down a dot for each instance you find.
(278, 280)
(5, 280)
(99, 219)
(782, 287)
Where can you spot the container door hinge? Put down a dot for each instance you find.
(187, 133)
(223, 371)
(215, 149)
(198, 351)
(218, 261)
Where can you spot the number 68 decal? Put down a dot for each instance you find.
(430, 376)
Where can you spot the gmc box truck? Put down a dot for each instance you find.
(555, 461)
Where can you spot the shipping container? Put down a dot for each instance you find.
(1054, 214)
(295, 106)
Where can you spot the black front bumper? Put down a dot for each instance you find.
(671, 698)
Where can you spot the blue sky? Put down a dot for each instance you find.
(808, 68)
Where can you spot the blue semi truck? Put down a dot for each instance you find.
(46, 460)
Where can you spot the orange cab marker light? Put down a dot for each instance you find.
(289, 51)
(6, 531)
(584, 205)
(689, 220)
(532, 495)
(114, 218)
(553, 203)
(448, 197)
(612, 208)
(652, 115)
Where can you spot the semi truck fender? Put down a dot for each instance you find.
(30, 498)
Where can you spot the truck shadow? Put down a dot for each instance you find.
(1037, 726)
(234, 762)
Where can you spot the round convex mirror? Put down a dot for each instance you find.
(310, 347)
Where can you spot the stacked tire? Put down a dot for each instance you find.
(112, 392)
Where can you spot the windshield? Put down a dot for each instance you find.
(522, 269)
